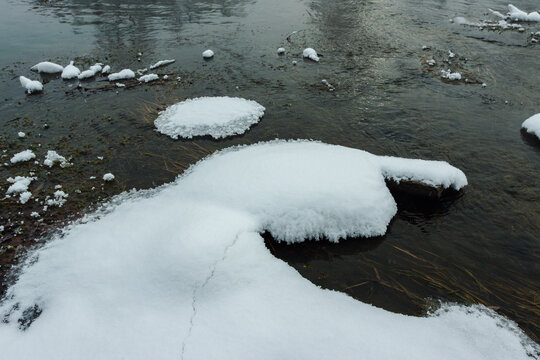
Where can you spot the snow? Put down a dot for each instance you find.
(124, 74)
(532, 125)
(310, 54)
(70, 71)
(34, 214)
(148, 78)
(161, 63)
(53, 157)
(47, 67)
(156, 274)
(281, 51)
(31, 86)
(207, 54)
(19, 184)
(451, 54)
(120, 85)
(25, 196)
(516, 14)
(23, 156)
(21, 134)
(96, 67)
(447, 74)
(59, 199)
(108, 177)
(1, 228)
(91, 72)
(431, 62)
(106, 69)
(218, 117)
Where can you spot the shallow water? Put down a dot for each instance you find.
(478, 247)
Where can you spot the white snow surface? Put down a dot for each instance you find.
(70, 71)
(47, 67)
(124, 74)
(23, 156)
(182, 272)
(218, 117)
(516, 14)
(207, 54)
(161, 63)
(532, 125)
(310, 54)
(148, 78)
(31, 86)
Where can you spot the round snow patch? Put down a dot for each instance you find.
(218, 117)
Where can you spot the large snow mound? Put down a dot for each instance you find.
(218, 117)
(182, 272)
(532, 125)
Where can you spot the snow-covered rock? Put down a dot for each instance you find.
(218, 117)
(22, 156)
(207, 54)
(86, 74)
(532, 125)
(122, 75)
(108, 177)
(47, 67)
(281, 51)
(31, 86)
(97, 67)
(161, 63)
(516, 14)
(148, 78)
(158, 273)
(106, 69)
(447, 74)
(310, 54)
(120, 85)
(70, 71)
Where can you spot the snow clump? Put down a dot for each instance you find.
(207, 54)
(124, 74)
(218, 117)
(47, 67)
(53, 157)
(23, 156)
(447, 74)
(31, 86)
(70, 71)
(310, 54)
(161, 63)
(532, 125)
(148, 78)
(108, 177)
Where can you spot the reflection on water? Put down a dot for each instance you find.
(480, 247)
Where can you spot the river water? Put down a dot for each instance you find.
(481, 246)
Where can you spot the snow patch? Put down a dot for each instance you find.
(31, 86)
(310, 54)
(53, 157)
(218, 117)
(447, 74)
(161, 63)
(148, 78)
(70, 72)
(47, 67)
(23, 156)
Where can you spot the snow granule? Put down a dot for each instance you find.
(532, 125)
(161, 63)
(124, 74)
(310, 54)
(47, 67)
(31, 86)
(207, 54)
(218, 117)
(25, 155)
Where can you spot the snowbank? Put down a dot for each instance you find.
(218, 117)
(310, 54)
(70, 72)
(158, 273)
(31, 86)
(161, 63)
(23, 156)
(532, 125)
(47, 67)
(124, 74)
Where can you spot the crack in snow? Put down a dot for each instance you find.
(198, 289)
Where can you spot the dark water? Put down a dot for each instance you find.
(481, 247)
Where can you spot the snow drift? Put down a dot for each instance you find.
(218, 117)
(182, 272)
